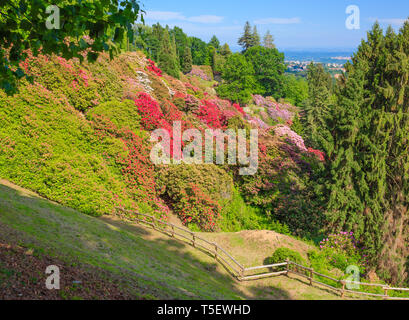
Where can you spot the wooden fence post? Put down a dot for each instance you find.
(215, 251)
(241, 272)
(288, 266)
(343, 288)
(311, 274)
(386, 292)
(137, 218)
(194, 240)
(173, 231)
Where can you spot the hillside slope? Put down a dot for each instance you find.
(148, 264)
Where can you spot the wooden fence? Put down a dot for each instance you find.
(242, 273)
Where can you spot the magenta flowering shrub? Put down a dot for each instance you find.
(196, 71)
(261, 101)
(280, 114)
(342, 249)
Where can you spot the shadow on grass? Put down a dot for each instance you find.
(153, 267)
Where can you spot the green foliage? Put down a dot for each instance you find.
(318, 108)
(123, 114)
(214, 42)
(250, 38)
(369, 186)
(268, 65)
(281, 254)
(225, 50)
(167, 58)
(239, 83)
(295, 90)
(236, 215)
(186, 61)
(195, 191)
(297, 126)
(48, 147)
(199, 51)
(23, 27)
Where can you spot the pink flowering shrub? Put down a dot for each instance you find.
(292, 137)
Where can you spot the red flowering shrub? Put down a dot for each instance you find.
(153, 68)
(318, 153)
(152, 116)
(135, 165)
(238, 108)
(210, 114)
(195, 207)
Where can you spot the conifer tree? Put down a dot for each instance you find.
(186, 61)
(225, 50)
(268, 40)
(255, 38)
(370, 172)
(246, 40)
(167, 59)
(318, 116)
(215, 43)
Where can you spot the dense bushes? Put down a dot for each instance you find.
(282, 254)
(51, 149)
(196, 191)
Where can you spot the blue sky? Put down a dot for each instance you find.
(295, 24)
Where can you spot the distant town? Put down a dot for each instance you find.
(300, 67)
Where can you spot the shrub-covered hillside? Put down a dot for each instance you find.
(79, 135)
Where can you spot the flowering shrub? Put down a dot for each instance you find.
(342, 250)
(198, 72)
(153, 68)
(135, 164)
(238, 108)
(295, 139)
(152, 116)
(279, 114)
(196, 208)
(318, 153)
(210, 114)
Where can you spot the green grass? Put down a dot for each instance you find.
(151, 267)
(150, 264)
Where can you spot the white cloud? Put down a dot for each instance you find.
(177, 16)
(392, 21)
(278, 21)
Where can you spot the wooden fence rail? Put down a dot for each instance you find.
(241, 273)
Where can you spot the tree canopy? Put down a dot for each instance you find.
(60, 29)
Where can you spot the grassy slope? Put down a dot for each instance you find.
(151, 264)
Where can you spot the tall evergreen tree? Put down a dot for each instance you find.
(317, 108)
(225, 50)
(255, 38)
(370, 171)
(246, 40)
(167, 59)
(215, 43)
(186, 61)
(268, 40)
